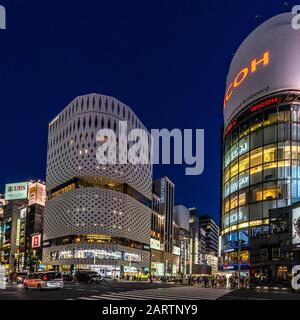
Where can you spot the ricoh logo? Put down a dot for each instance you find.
(2, 18)
(296, 18)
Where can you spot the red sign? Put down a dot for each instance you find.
(263, 104)
(36, 241)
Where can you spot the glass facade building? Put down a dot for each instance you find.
(261, 171)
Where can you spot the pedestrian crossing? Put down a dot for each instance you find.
(185, 293)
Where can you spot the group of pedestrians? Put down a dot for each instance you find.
(217, 281)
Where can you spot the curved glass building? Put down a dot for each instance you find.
(261, 139)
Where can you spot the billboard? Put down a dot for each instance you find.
(36, 241)
(296, 226)
(36, 194)
(266, 62)
(16, 191)
(154, 244)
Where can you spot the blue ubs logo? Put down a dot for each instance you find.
(2, 18)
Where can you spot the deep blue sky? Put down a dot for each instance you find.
(166, 59)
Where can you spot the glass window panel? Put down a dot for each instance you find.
(295, 188)
(270, 134)
(234, 168)
(256, 175)
(226, 189)
(270, 190)
(244, 162)
(227, 174)
(256, 139)
(283, 169)
(270, 117)
(284, 151)
(283, 189)
(256, 157)
(295, 113)
(268, 205)
(227, 143)
(226, 220)
(244, 179)
(233, 200)
(233, 217)
(256, 193)
(295, 130)
(294, 169)
(235, 135)
(244, 236)
(256, 211)
(270, 170)
(284, 114)
(234, 184)
(227, 159)
(283, 131)
(243, 214)
(244, 128)
(244, 145)
(227, 205)
(270, 153)
(244, 197)
(234, 151)
(294, 150)
(256, 122)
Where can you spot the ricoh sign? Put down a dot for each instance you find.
(266, 62)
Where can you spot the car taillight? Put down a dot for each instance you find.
(45, 278)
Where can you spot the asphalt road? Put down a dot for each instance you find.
(140, 291)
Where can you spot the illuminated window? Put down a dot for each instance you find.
(234, 168)
(256, 193)
(270, 190)
(283, 169)
(284, 151)
(243, 198)
(270, 117)
(227, 159)
(256, 139)
(244, 128)
(243, 179)
(226, 207)
(244, 145)
(233, 200)
(227, 174)
(244, 162)
(270, 153)
(234, 184)
(256, 122)
(270, 170)
(256, 157)
(234, 151)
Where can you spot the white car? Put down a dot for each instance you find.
(44, 280)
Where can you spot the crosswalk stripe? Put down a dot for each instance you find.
(86, 298)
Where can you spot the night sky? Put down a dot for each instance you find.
(167, 60)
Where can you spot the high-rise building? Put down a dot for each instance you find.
(22, 226)
(211, 230)
(166, 259)
(260, 145)
(97, 216)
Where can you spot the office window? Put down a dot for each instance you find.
(256, 193)
(270, 153)
(270, 190)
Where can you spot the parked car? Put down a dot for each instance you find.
(88, 277)
(44, 280)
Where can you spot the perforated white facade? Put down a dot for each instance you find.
(95, 208)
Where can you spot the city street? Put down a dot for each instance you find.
(140, 291)
(114, 291)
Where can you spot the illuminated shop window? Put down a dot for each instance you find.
(243, 214)
(243, 197)
(284, 114)
(227, 205)
(234, 168)
(284, 151)
(270, 153)
(270, 190)
(227, 159)
(294, 150)
(256, 193)
(226, 189)
(270, 117)
(244, 162)
(233, 201)
(227, 174)
(234, 184)
(283, 189)
(233, 217)
(256, 157)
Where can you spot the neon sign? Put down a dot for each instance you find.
(243, 74)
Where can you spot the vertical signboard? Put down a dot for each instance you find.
(36, 194)
(36, 241)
